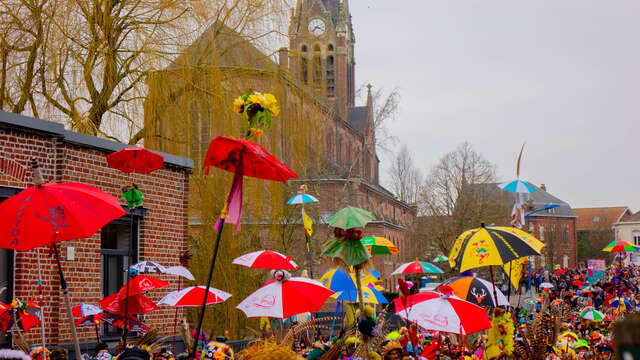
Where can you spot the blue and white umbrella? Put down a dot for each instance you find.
(301, 199)
(517, 186)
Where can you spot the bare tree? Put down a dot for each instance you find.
(405, 177)
(458, 195)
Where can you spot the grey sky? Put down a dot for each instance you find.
(561, 75)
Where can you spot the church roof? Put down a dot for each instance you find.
(357, 118)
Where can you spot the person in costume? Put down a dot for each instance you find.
(102, 352)
(217, 351)
(346, 249)
(500, 335)
(392, 351)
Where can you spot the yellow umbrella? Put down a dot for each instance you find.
(379, 246)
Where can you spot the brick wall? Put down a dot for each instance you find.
(162, 232)
(542, 226)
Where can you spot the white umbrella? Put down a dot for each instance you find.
(149, 267)
(193, 296)
(180, 271)
(546, 285)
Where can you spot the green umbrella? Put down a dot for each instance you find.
(350, 217)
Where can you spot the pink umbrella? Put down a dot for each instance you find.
(266, 259)
(193, 296)
(285, 298)
(443, 312)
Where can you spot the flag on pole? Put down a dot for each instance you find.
(308, 223)
(516, 272)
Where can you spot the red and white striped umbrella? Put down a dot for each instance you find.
(193, 296)
(266, 259)
(285, 298)
(443, 312)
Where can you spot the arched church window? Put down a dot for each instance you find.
(304, 48)
(317, 66)
(330, 76)
(304, 70)
(330, 47)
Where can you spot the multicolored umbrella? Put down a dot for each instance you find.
(338, 279)
(350, 218)
(517, 186)
(590, 313)
(19, 316)
(135, 160)
(301, 199)
(443, 312)
(588, 291)
(476, 290)
(620, 303)
(557, 302)
(492, 245)
(369, 293)
(440, 258)
(379, 245)
(417, 267)
(569, 334)
(285, 298)
(193, 296)
(620, 246)
(266, 259)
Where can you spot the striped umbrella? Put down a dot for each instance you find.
(492, 245)
(266, 259)
(338, 279)
(590, 313)
(620, 246)
(587, 291)
(620, 303)
(517, 186)
(557, 302)
(440, 258)
(475, 290)
(301, 199)
(417, 267)
(369, 293)
(379, 245)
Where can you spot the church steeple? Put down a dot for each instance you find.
(321, 50)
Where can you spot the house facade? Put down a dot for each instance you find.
(628, 229)
(94, 267)
(595, 228)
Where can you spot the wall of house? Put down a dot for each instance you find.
(549, 229)
(162, 232)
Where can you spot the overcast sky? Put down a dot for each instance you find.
(561, 75)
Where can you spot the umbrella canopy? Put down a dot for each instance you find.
(559, 272)
(144, 267)
(266, 259)
(369, 293)
(517, 186)
(19, 316)
(417, 267)
(379, 245)
(477, 291)
(137, 304)
(620, 246)
(350, 218)
(546, 285)
(588, 291)
(337, 279)
(589, 313)
(134, 324)
(254, 160)
(440, 258)
(620, 303)
(557, 302)
(409, 285)
(135, 159)
(83, 310)
(41, 215)
(301, 199)
(492, 245)
(140, 284)
(193, 296)
(180, 271)
(442, 312)
(286, 298)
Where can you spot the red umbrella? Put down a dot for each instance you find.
(243, 158)
(140, 284)
(84, 310)
(137, 304)
(559, 272)
(254, 160)
(266, 259)
(50, 213)
(134, 159)
(112, 319)
(193, 296)
(443, 312)
(577, 283)
(19, 316)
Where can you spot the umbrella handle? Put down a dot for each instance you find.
(63, 285)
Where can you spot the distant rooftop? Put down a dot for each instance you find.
(540, 199)
(599, 217)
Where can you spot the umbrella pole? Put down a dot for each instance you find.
(359, 285)
(495, 295)
(125, 328)
(206, 291)
(509, 284)
(97, 332)
(41, 302)
(65, 291)
(175, 320)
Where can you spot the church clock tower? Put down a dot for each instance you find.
(321, 44)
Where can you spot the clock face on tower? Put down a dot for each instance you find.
(317, 27)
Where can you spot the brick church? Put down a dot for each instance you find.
(314, 81)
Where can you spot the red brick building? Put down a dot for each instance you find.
(93, 267)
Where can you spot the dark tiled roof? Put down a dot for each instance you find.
(540, 199)
(357, 118)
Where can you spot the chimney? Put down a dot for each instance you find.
(543, 187)
(283, 57)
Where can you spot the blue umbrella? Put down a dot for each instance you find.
(301, 199)
(517, 186)
(370, 294)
